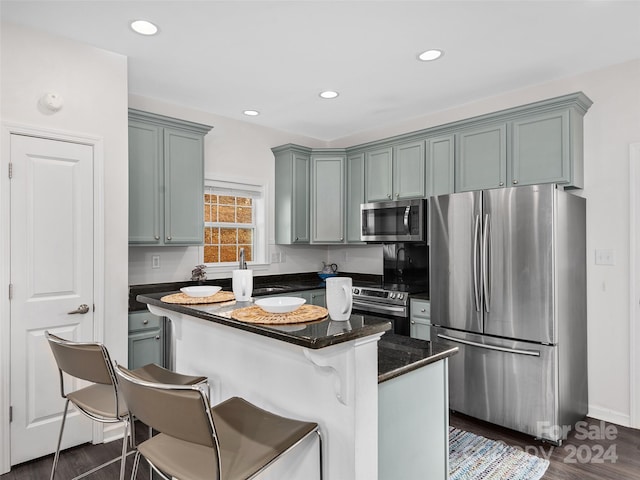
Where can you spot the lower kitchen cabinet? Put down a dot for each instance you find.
(420, 319)
(317, 297)
(146, 339)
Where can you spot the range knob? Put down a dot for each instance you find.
(356, 291)
(400, 296)
(392, 295)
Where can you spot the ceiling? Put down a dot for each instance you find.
(224, 57)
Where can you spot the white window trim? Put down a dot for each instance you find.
(261, 224)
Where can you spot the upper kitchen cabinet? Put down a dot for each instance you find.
(481, 160)
(166, 180)
(536, 143)
(440, 165)
(328, 197)
(292, 194)
(355, 195)
(395, 172)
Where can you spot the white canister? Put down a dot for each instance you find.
(339, 297)
(242, 284)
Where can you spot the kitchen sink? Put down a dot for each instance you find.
(269, 289)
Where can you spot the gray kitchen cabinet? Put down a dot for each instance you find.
(328, 198)
(379, 174)
(318, 297)
(292, 194)
(481, 158)
(440, 165)
(166, 180)
(146, 339)
(409, 170)
(396, 172)
(419, 318)
(355, 196)
(542, 149)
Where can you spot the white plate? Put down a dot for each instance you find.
(280, 304)
(200, 291)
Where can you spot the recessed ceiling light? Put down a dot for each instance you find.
(430, 55)
(143, 27)
(251, 113)
(329, 94)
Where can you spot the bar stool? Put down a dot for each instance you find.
(101, 401)
(233, 440)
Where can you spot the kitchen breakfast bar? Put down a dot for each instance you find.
(381, 399)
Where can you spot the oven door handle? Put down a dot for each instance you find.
(378, 307)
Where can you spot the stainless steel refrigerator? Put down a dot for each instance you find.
(508, 287)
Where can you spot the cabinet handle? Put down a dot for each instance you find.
(169, 238)
(157, 237)
(423, 310)
(397, 195)
(413, 321)
(389, 196)
(157, 337)
(501, 184)
(144, 322)
(515, 182)
(296, 239)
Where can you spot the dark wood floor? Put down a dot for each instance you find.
(613, 458)
(587, 454)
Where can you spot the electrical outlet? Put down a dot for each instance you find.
(155, 261)
(605, 257)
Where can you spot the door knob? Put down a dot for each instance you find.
(84, 308)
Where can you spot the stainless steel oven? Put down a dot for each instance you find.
(389, 303)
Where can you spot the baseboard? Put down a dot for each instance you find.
(113, 432)
(608, 415)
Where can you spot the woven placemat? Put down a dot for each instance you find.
(305, 313)
(184, 299)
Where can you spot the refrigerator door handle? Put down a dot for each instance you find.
(532, 353)
(476, 234)
(485, 261)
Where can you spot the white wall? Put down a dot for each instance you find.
(241, 150)
(611, 125)
(93, 84)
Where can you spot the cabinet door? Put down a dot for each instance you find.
(408, 171)
(541, 150)
(355, 196)
(327, 204)
(481, 158)
(301, 183)
(183, 188)
(378, 175)
(318, 297)
(146, 346)
(440, 163)
(145, 177)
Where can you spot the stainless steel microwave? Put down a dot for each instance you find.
(399, 221)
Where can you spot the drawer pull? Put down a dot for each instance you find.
(144, 322)
(157, 337)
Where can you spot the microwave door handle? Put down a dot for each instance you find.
(407, 220)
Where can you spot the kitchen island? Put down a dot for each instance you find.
(325, 371)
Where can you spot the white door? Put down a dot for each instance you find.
(51, 274)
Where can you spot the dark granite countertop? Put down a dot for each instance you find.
(313, 335)
(293, 282)
(398, 354)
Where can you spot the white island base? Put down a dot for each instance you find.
(335, 386)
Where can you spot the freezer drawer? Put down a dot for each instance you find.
(505, 382)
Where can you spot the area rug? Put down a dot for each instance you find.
(472, 457)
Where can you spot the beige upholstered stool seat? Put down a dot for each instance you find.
(249, 438)
(98, 399)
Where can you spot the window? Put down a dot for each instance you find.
(233, 219)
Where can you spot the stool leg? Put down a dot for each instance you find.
(134, 470)
(57, 455)
(123, 462)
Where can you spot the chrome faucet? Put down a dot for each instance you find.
(243, 263)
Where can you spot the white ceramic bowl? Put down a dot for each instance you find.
(280, 304)
(200, 291)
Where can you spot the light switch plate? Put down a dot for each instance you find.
(155, 261)
(605, 257)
